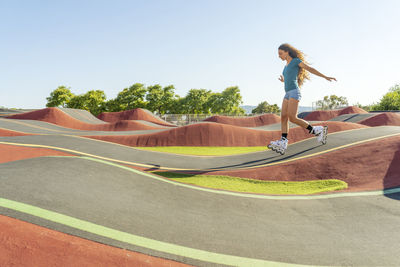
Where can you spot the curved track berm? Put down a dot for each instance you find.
(59, 117)
(134, 114)
(254, 121)
(215, 134)
(324, 115)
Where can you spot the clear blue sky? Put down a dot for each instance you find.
(211, 44)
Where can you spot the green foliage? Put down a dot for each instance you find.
(131, 97)
(59, 97)
(390, 101)
(112, 105)
(231, 99)
(155, 98)
(366, 108)
(93, 101)
(332, 102)
(161, 99)
(264, 107)
(196, 101)
(177, 106)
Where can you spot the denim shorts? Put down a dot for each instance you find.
(295, 93)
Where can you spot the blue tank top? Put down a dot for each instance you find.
(290, 73)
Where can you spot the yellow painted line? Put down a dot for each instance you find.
(81, 153)
(181, 169)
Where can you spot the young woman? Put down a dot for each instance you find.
(294, 74)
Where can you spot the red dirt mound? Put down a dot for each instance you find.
(12, 153)
(57, 116)
(370, 166)
(215, 134)
(389, 118)
(26, 244)
(133, 114)
(324, 115)
(5, 132)
(255, 121)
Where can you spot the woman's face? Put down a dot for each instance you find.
(283, 54)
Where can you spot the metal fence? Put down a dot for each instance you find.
(314, 107)
(185, 119)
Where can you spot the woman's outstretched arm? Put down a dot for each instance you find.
(315, 72)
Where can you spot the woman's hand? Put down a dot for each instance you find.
(330, 79)
(281, 79)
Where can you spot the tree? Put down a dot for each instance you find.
(131, 97)
(59, 97)
(264, 107)
(178, 106)
(160, 99)
(231, 99)
(390, 101)
(195, 102)
(112, 105)
(93, 101)
(332, 102)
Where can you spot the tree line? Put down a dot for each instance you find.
(158, 99)
(164, 100)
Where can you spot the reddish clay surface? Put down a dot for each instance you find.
(387, 118)
(255, 121)
(12, 153)
(134, 114)
(5, 132)
(57, 116)
(324, 115)
(371, 166)
(26, 244)
(216, 134)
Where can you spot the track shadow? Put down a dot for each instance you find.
(392, 177)
(349, 118)
(272, 159)
(254, 163)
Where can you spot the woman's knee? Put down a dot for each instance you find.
(293, 118)
(284, 117)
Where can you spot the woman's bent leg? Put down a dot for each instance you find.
(293, 105)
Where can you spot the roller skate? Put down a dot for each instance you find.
(321, 132)
(279, 146)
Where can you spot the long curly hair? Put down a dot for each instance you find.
(294, 52)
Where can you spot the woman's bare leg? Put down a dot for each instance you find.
(293, 105)
(284, 116)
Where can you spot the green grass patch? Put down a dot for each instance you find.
(205, 150)
(237, 184)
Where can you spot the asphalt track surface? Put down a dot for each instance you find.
(334, 231)
(95, 197)
(156, 160)
(354, 117)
